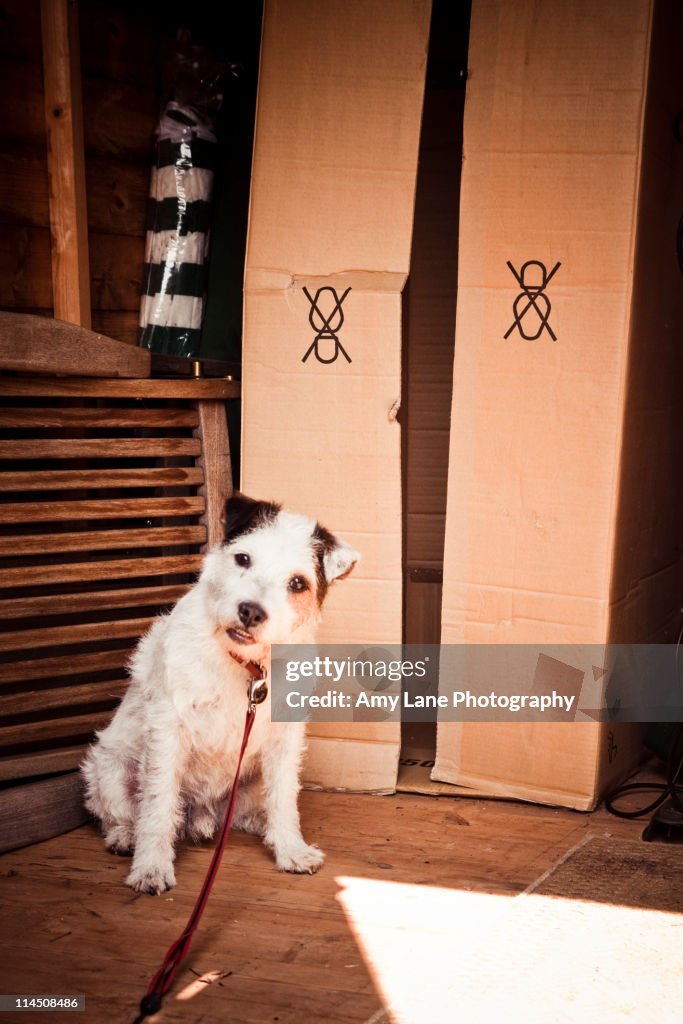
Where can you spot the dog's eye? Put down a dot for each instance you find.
(244, 561)
(298, 584)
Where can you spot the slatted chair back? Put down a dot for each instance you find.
(111, 492)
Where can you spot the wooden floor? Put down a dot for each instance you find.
(279, 947)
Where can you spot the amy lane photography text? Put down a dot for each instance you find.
(458, 699)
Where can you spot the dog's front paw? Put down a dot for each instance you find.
(300, 859)
(153, 880)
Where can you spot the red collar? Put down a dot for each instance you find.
(252, 667)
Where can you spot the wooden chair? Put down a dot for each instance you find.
(112, 488)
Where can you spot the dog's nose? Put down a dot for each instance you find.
(251, 614)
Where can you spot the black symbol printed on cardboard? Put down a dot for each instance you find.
(531, 308)
(327, 319)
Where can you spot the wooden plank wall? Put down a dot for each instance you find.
(121, 99)
(121, 102)
(25, 268)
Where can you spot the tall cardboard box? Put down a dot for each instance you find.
(333, 183)
(565, 470)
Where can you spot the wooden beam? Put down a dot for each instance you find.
(40, 810)
(19, 417)
(87, 601)
(98, 448)
(114, 508)
(110, 569)
(216, 463)
(100, 387)
(80, 633)
(45, 762)
(66, 162)
(38, 344)
(98, 540)
(104, 479)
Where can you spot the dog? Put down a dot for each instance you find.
(163, 768)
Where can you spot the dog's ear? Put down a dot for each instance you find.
(243, 514)
(339, 563)
(337, 557)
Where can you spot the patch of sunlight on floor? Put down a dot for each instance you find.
(199, 984)
(440, 955)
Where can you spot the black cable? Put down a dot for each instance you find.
(671, 789)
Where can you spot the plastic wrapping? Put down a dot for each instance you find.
(179, 211)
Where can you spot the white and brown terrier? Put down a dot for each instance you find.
(165, 765)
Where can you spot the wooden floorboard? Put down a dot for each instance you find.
(280, 946)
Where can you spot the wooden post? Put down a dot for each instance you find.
(65, 159)
(215, 460)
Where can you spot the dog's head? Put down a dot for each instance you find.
(267, 582)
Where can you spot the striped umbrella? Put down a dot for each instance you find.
(176, 251)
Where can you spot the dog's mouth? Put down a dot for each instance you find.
(240, 636)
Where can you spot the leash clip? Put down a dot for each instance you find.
(258, 691)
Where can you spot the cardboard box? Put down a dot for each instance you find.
(333, 184)
(564, 480)
(564, 469)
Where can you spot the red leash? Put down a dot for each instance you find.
(178, 950)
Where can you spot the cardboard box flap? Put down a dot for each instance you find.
(258, 279)
(337, 129)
